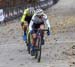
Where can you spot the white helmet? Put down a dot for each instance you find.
(39, 12)
(31, 10)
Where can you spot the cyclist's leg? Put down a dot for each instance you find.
(35, 26)
(24, 27)
(33, 39)
(33, 44)
(42, 26)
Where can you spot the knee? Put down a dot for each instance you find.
(34, 36)
(24, 26)
(42, 26)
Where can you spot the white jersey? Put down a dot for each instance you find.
(37, 20)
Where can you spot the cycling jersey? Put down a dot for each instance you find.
(37, 20)
(26, 16)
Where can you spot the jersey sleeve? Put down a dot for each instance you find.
(31, 23)
(24, 15)
(47, 21)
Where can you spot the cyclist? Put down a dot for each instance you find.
(25, 20)
(38, 21)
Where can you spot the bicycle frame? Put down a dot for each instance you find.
(38, 40)
(39, 32)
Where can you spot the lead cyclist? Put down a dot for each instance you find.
(38, 20)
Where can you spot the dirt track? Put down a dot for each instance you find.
(57, 51)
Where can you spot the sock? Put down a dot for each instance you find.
(32, 48)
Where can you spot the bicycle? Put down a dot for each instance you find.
(39, 39)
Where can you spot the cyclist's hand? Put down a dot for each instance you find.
(48, 32)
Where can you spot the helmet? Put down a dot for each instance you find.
(31, 10)
(39, 12)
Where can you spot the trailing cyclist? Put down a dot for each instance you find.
(25, 20)
(38, 21)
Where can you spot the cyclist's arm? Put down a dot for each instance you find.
(47, 21)
(31, 23)
(48, 24)
(23, 16)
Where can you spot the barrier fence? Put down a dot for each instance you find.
(16, 12)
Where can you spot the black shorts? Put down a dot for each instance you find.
(36, 26)
(28, 19)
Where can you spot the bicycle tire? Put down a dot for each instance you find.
(36, 51)
(28, 49)
(28, 44)
(39, 50)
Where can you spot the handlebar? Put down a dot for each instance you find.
(41, 29)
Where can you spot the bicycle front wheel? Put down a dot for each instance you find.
(39, 49)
